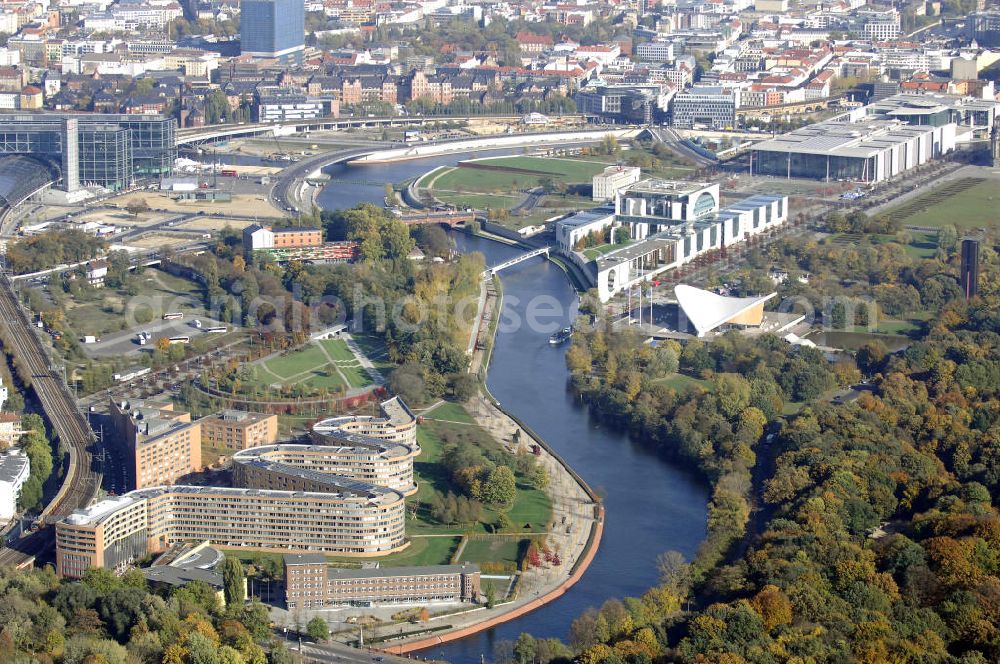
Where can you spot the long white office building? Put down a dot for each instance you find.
(669, 224)
(864, 151)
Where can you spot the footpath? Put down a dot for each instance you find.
(577, 517)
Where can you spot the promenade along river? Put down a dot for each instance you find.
(652, 506)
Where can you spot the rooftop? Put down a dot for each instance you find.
(102, 510)
(384, 572)
(12, 464)
(673, 187)
(866, 138)
(178, 576)
(585, 217)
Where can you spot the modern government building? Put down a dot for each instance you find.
(876, 142)
(669, 223)
(342, 495)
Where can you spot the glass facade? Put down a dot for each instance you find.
(112, 149)
(272, 28)
(105, 158)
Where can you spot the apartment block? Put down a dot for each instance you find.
(344, 495)
(311, 584)
(162, 444)
(14, 471)
(238, 430)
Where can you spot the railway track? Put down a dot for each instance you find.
(80, 481)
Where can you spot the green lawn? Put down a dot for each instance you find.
(498, 549)
(323, 365)
(478, 201)
(476, 180)
(531, 508)
(450, 411)
(600, 250)
(681, 382)
(338, 350)
(422, 551)
(966, 203)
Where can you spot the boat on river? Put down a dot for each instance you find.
(561, 336)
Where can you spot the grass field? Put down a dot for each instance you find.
(681, 382)
(531, 510)
(965, 203)
(923, 244)
(497, 549)
(478, 201)
(323, 365)
(449, 411)
(474, 180)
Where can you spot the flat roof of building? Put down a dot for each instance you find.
(585, 217)
(304, 559)
(385, 572)
(99, 511)
(919, 104)
(866, 138)
(397, 411)
(11, 465)
(178, 576)
(651, 243)
(658, 186)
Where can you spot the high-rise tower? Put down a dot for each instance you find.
(272, 28)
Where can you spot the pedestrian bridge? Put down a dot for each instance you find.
(517, 259)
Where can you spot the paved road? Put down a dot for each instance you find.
(673, 140)
(333, 651)
(284, 195)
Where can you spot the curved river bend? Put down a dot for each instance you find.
(652, 506)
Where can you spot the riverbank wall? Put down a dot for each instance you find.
(594, 535)
(490, 143)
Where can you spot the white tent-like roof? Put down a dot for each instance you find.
(707, 310)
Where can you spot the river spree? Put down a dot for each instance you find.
(652, 505)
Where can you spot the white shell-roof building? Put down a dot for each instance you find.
(707, 311)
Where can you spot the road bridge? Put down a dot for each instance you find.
(215, 132)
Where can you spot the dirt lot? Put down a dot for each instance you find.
(214, 224)
(156, 240)
(247, 204)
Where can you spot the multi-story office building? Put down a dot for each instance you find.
(869, 150)
(985, 26)
(969, 270)
(611, 180)
(877, 24)
(162, 444)
(109, 150)
(14, 471)
(707, 106)
(674, 223)
(238, 430)
(338, 497)
(285, 107)
(624, 103)
(312, 584)
(272, 28)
